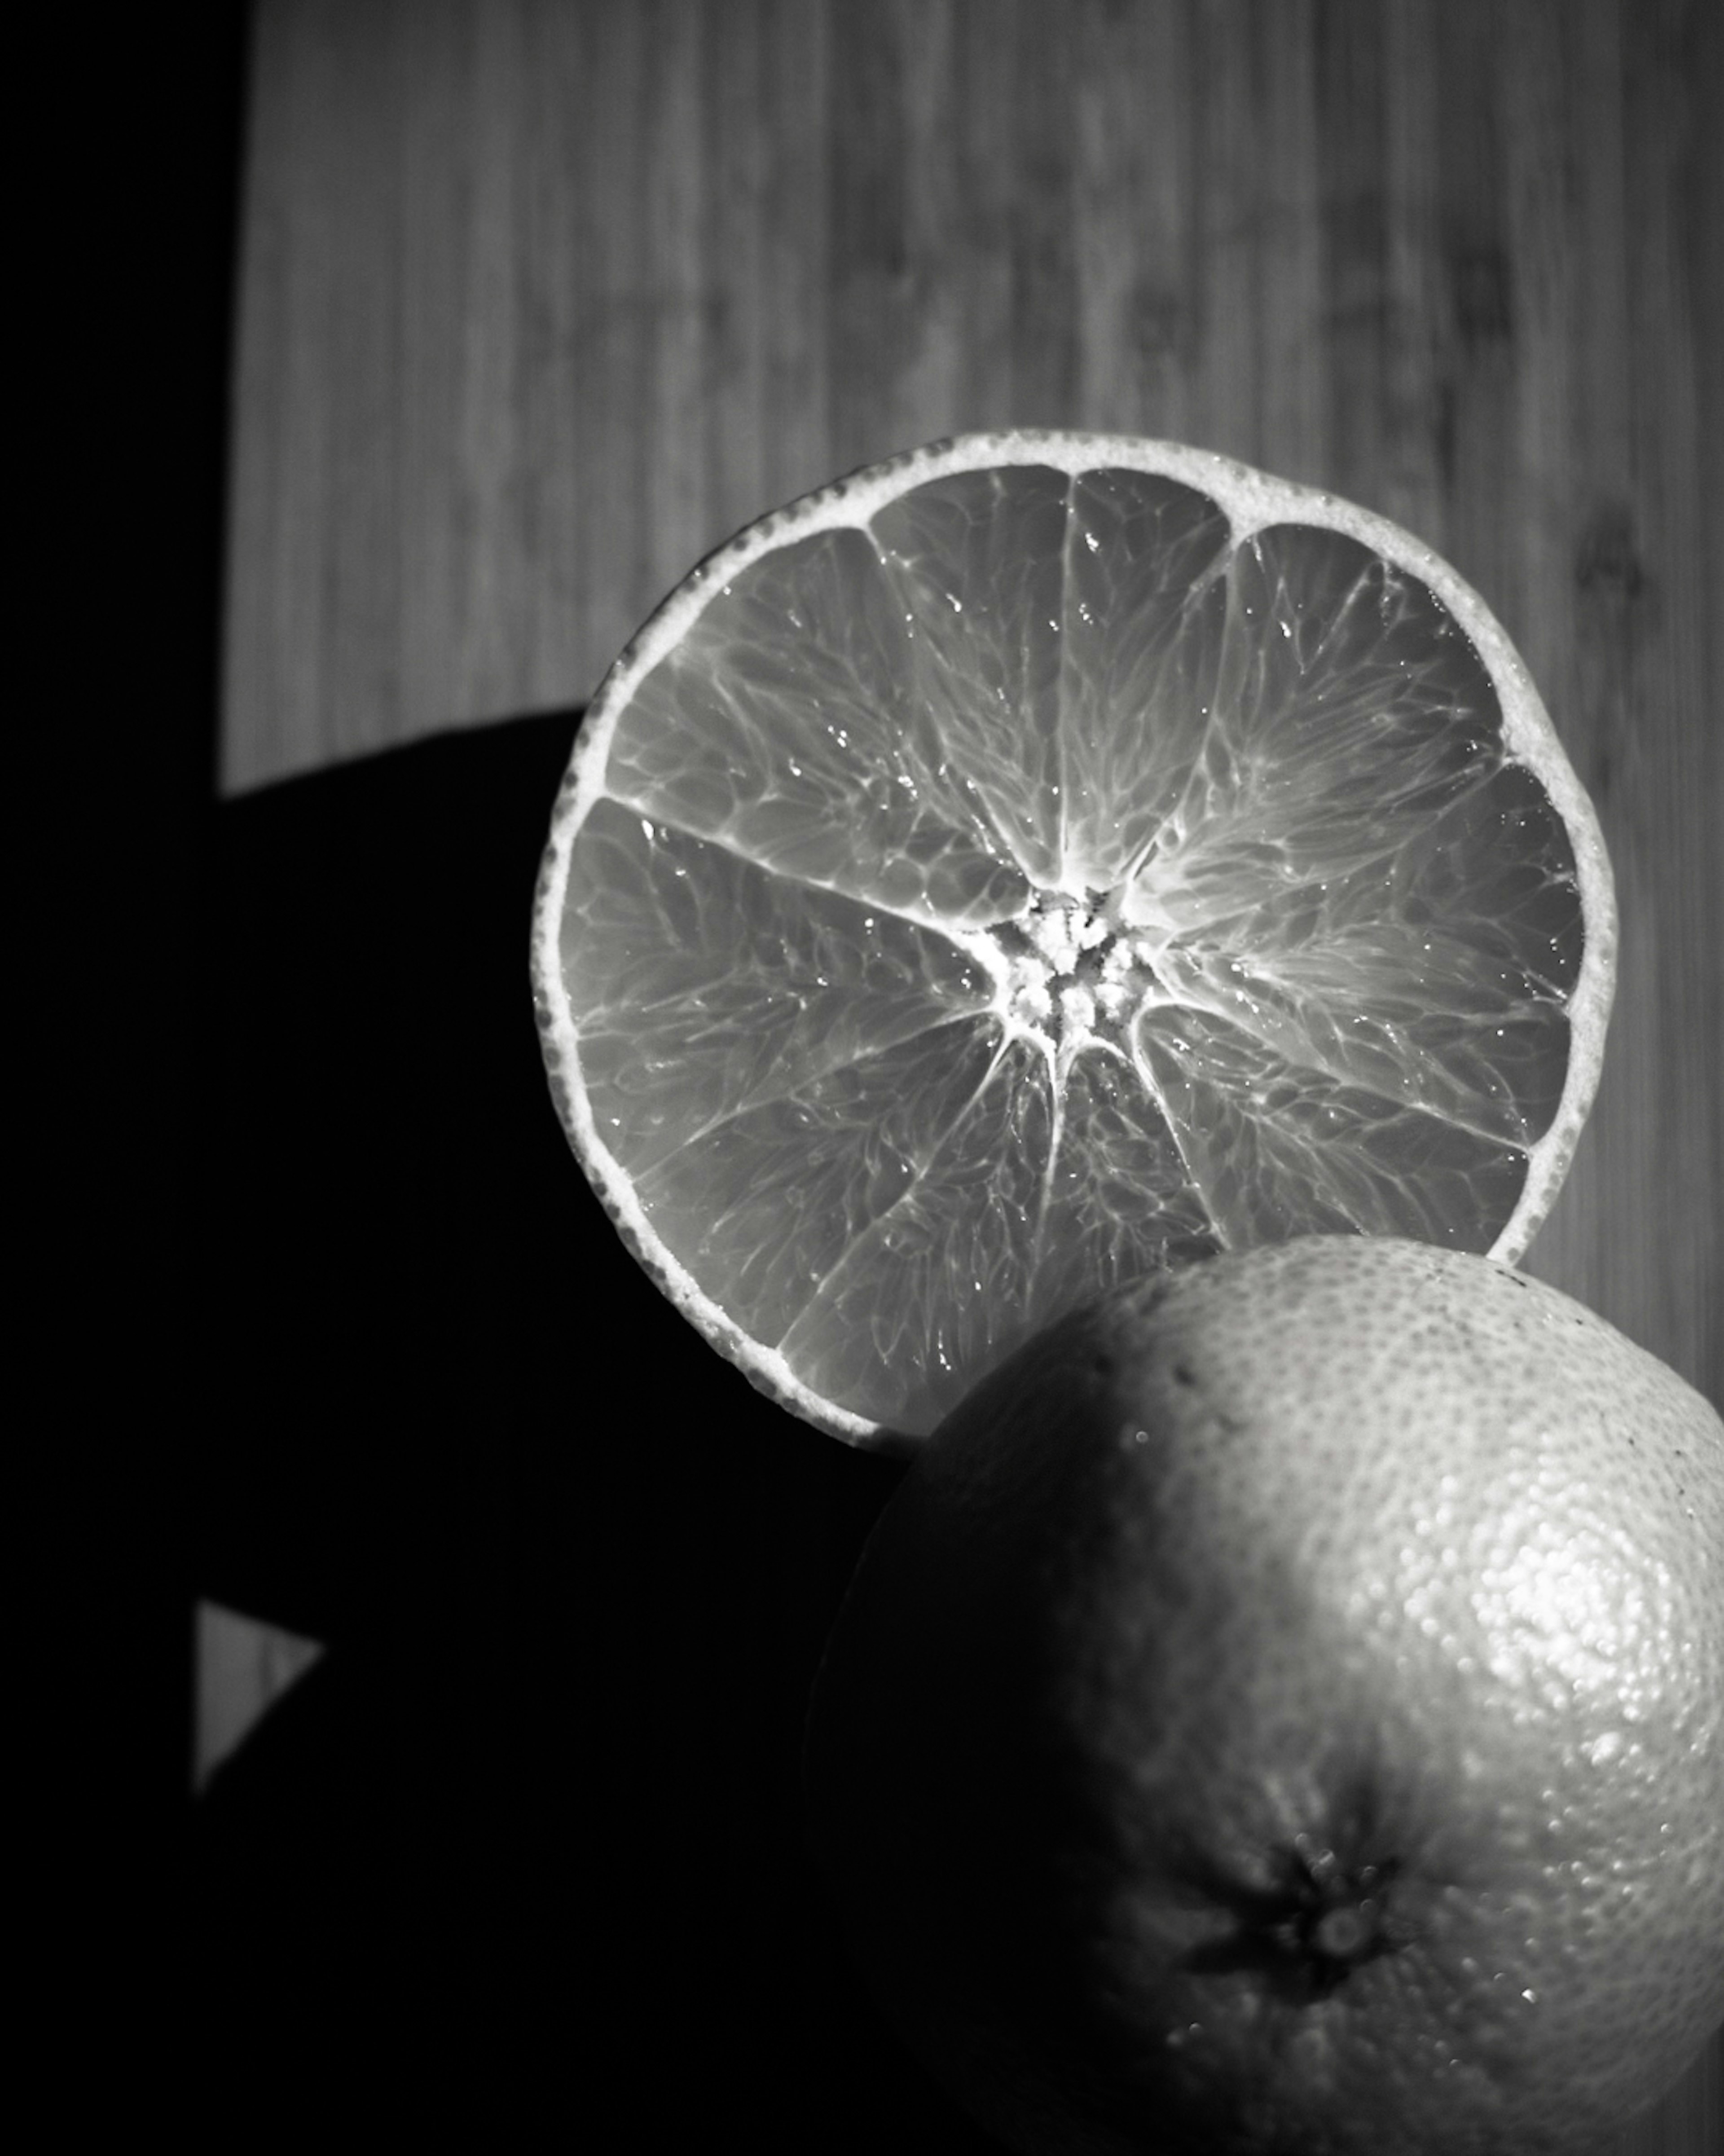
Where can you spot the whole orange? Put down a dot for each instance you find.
(1282, 1710)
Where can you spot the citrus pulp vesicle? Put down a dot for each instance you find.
(1041, 857)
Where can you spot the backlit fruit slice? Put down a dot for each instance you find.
(1044, 856)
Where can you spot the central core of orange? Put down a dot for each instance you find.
(1073, 974)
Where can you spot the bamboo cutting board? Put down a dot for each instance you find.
(539, 302)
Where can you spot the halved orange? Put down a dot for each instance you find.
(1040, 858)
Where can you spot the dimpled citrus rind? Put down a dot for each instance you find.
(1454, 1549)
(1251, 501)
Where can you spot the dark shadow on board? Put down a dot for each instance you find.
(526, 1842)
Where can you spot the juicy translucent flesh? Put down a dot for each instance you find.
(993, 898)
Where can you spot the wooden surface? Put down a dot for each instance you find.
(540, 301)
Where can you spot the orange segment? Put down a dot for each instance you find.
(1040, 858)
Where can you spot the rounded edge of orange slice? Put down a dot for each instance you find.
(1251, 501)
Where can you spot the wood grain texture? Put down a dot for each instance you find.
(540, 301)
(244, 1667)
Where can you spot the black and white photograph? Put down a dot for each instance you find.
(937, 1052)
